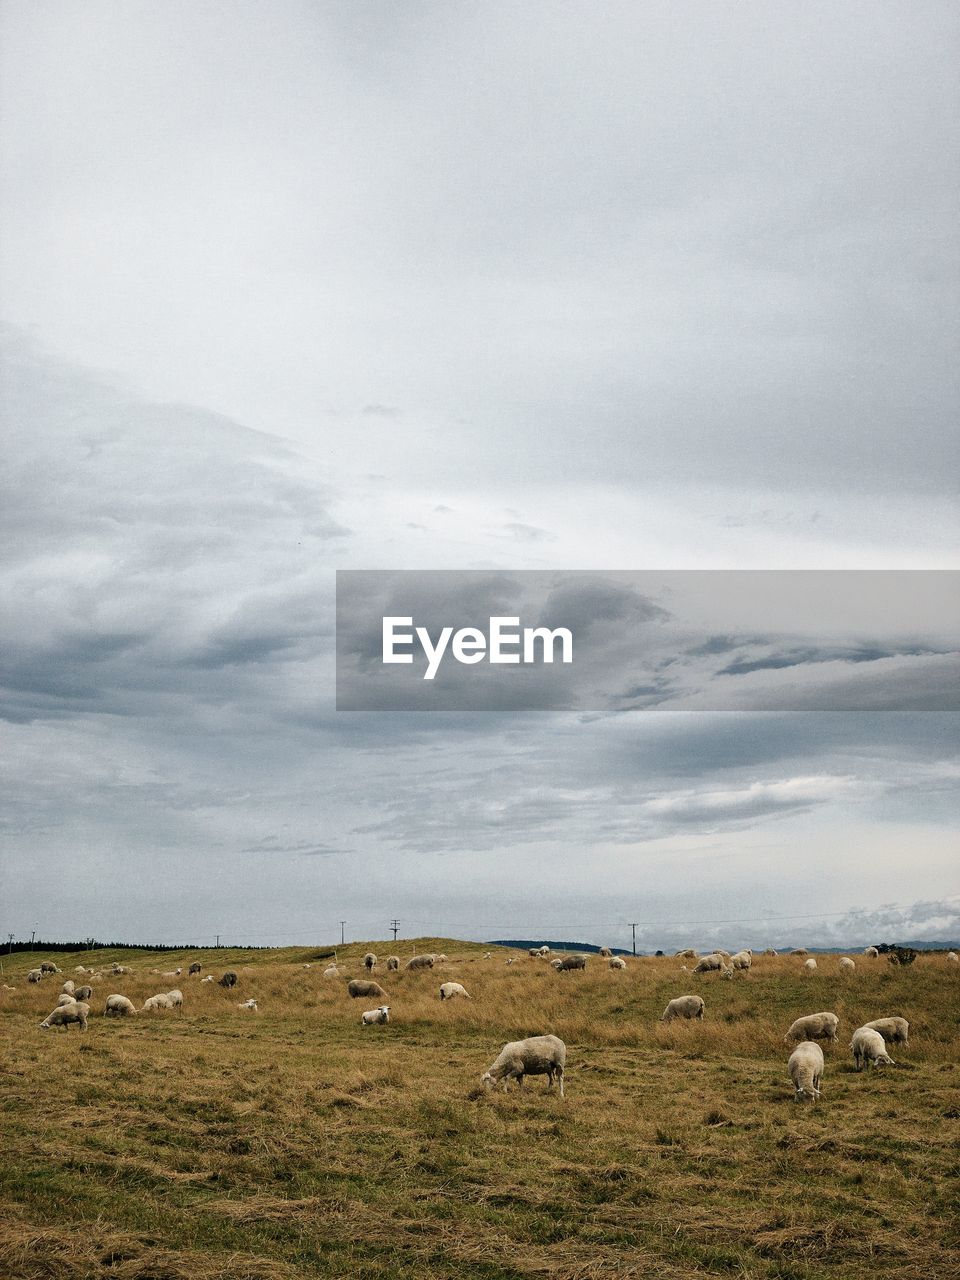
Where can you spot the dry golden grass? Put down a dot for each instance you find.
(221, 1144)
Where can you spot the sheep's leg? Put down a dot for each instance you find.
(560, 1079)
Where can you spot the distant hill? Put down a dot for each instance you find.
(524, 944)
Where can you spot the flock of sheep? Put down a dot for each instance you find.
(536, 1055)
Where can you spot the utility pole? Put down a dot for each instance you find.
(394, 925)
(342, 923)
(9, 943)
(32, 936)
(217, 943)
(633, 926)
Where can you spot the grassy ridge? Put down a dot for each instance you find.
(225, 1144)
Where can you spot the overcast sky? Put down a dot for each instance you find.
(296, 287)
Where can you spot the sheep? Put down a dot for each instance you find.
(357, 988)
(393, 964)
(606, 952)
(69, 987)
(79, 969)
(64, 998)
(375, 1017)
(726, 971)
(687, 953)
(35, 975)
(555, 963)
(176, 998)
(742, 960)
(83, 993)
(420, 962)
(159, 1001)
(487, 955)
(535, 1056)
(533, 952)
(683, 1007)
(119, 1007)
(952, 958)
(229, 979)
(172, 973)
(770, 952)
(47, 966)
(569, 963)
(805, 1067)
(450, 989)
(511, 960)
(65, 1015)
(194, 968)
(709, 963)
(799, 951)
(617, 962)
(813, 1026)
(810, 965)
(208, 978)
(893, 1030)
(331, 971)
(118, 969)
(369, 962)
(544, 950)
(847, 965)
(249, 1004)
(872, 952)
(869, 1049)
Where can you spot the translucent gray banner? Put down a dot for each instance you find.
(614, 641)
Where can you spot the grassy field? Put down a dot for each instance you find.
(221, 1143)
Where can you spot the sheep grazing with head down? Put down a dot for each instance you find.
(66, 1015)
(952, 958)
(535, 1056)
(847, 965)
(687, 953)
(35, 975)
(47, 966)
(869, 1049)
(572, 963)
(119, 1007)
(393, 964)
(805, 1066)
(742, 960)
(69, 987)
(331, 971)
(533, 952)
(375, 1017)
(617, 962)
(799, 951)
(158, 1001)
(872, 952)
(606, 952)
(810, 965)
(194, 968)
(711, 963)
(229, 979)
(683, 1007)
(726, 971)
(420, 962)
(893, 1030)
(357, 988)
(813, 1026)
(448, 990)
(65, 998)
(369, 962)
(83, 993)
(544, 950)
(770, 952)
(176, 999)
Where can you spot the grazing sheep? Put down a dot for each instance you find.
(555, 963)
(726, 971)
(172, 973)
(450, 989)
(770, 952)
(709, 963)
(393, 964)
(357, 988)
(683, 1007)
(617, 962)
(805, 1066)
(65, 1015)
(64, 998)
(814, 1026)
(742, 960)
(375, 1017)
(248, 1004)
(687, 953)
(544, 950)
(331, 971)
(83, 993)
(872, 952)
(176, 998)
(159, 1001)
(69, 987)
(869, 1049)
(810, 965)
(952, 957)
(208, 978)
(35, 975)
(441, 958)
(420, 962)
(799, 951)
(118, 969)
(369, 962)
(534, 952)
(893, 1030)
(606, 952)
(119, 1007)
(229, 979)
(47, 966)
(194, 968)
(79, 969)
(535, 1056)
(572, 962)
(846, 965)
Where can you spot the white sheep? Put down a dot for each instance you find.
(331, 971)
(535, 1056)
(726, 971)
(119, 1007)
(356, 987)
(393, 964)
(369, 962)
(176, 998)
(47, 966)
(83, 993)
(893, 1030)
(450, 989)
(813, 1026)
(420, 962)
(35, 975)
(683, 1007)
(555, 963)
(67, 1014)
(869, 1049)
(810, 965)
(687, 953)
(709, 963)
(847, 965)
(69, 987)
(158, 1001)
(208, 978)
(79, 969)
(617, 962)
(606, 952)
(770, 952)
(544, 950)
(65, 998)
(742, 960)
(953, 958)
(375, 1017)
(805, 1066)
(248, 1004)
(872, 952)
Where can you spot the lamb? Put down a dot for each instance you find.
(65, 1015)
(176, 999)
(810, 965)
(709, 963)
(47, 966)
(742, 960)
(35, 975)
(419, 962)
(617, 962)
(569, 963)
(393, 964)
(535, 1056)
(119, 1007)
(847, 965)
(805, 1066)
(375, 1017)
(869, 1049)
(249, 1004)
(83, 993)
(683, 1007)
(814, 1026)
(893, 1030)
(369, 962)
(229, 979)
(194, 968)
(159, 1001)
(69, 987)
(358, 988)
(872, 952)
(450, 989)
